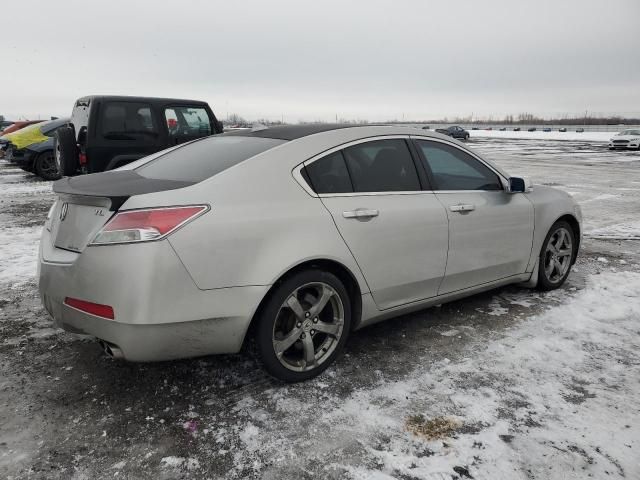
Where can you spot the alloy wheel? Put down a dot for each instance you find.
(308, 327)
(558, 254)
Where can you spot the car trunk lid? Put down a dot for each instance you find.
(87, 202)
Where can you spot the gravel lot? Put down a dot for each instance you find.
(510, 384)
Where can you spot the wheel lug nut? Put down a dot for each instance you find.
(302, 336)
(315, 320)
(307, 314)
(312, 332)
(299, 324)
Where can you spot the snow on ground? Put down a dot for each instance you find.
(18, 254)
(536, 402)
(540, 135)
(619, 231)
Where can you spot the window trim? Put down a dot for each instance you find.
(297, 170)
(503, 181)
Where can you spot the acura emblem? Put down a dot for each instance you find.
(63, 211)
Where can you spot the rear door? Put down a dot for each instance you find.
(396, 231)
(490, 230)
(187, 122)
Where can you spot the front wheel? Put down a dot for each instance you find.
(556, 256)
(303, 325)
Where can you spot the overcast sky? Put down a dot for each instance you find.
(313, 60)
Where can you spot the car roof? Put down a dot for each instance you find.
(51, 124)
(129, 98)
(291, 132)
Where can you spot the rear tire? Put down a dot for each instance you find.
(45, 166)
(556, 256)
(303, 325)
(66, 152)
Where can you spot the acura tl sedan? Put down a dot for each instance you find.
(291, 237)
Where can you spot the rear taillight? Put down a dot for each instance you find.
(104, 311)
(146, 225)
(82, 158)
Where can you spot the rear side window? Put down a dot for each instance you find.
(199, 160)
(382, 166)
(187, 121)
(127, 121)
(329, 174)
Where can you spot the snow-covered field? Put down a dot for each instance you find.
(540, 135)
(511, 384)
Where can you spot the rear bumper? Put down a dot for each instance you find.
(160, 314)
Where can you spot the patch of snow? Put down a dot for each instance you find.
(540, 135)
(450, 333)
(188, 464)
(18, 253)
(618, 231)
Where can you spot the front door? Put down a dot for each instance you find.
(490, 230)
(396, 231)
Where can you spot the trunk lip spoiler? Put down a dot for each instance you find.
(118, 186)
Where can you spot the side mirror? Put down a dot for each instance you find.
(219, 126)
(519, 185)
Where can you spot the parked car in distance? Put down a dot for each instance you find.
(213, 238)
(502, 129)
(31, 148)
(474, 128)
(532, 129)
(426, 127)
(579, 130)
(563, 129)
(489, 128)
(4, 124)
(516, 129)
(626, 139)
(546, 129)
(455, 132)
(107, 132)
(14, 127)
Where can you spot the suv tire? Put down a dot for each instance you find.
(65, 150)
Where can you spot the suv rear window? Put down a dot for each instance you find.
(205, 158)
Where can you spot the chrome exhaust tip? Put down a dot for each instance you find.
(111, 350)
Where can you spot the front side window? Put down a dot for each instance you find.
(329, 174)
(127, 121)
(382, 166)
(188, 121)
(453, 169)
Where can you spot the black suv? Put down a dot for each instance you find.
(106, 132)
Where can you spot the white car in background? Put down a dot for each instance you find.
(626, 139)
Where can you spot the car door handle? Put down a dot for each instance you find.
(361, 213)
(462, 207)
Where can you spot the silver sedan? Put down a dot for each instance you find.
(292, 236)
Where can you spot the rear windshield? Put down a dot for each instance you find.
(205, 158)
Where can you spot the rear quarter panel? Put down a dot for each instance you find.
(261, 224)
